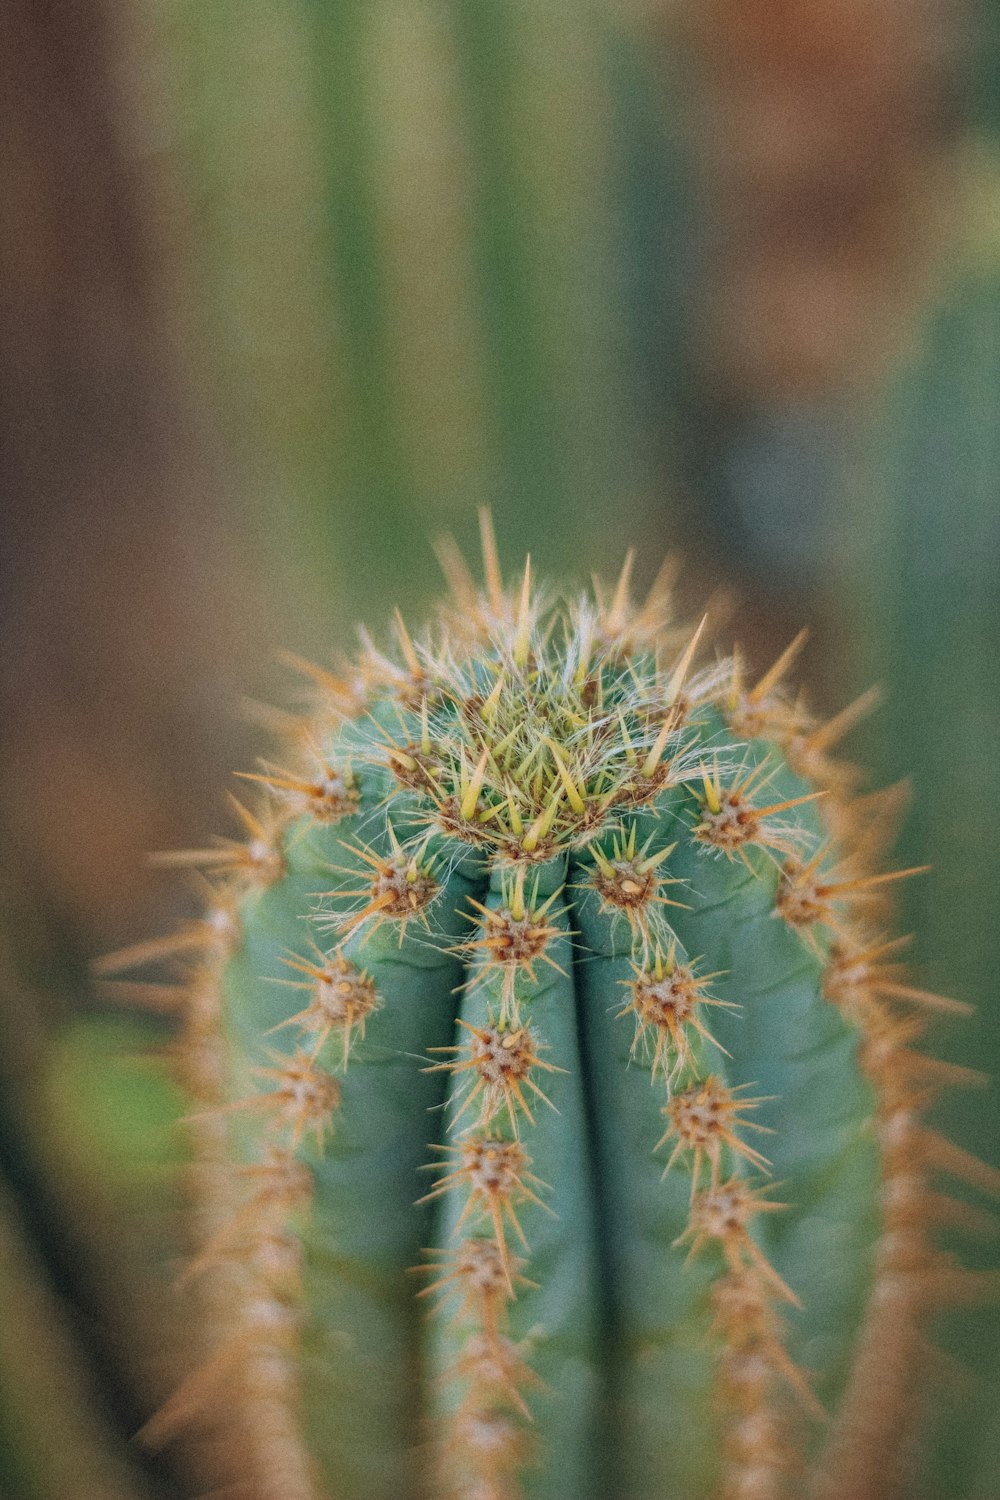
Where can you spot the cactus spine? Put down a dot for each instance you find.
(557, 1126)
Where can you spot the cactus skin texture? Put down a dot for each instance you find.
(557, 1118)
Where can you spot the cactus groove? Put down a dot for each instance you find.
(556, 1109)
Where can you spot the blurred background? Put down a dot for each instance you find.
(289, 287)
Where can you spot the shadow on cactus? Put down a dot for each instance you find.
(557, 1117)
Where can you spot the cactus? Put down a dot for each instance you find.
(556, 1111)
(426, 238)
(934, 438)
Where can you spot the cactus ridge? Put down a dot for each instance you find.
(557, 1124)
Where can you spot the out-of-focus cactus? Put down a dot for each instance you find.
(407, 242)
(921, 571)
(556, 1106)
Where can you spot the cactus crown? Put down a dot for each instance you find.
(594, 935)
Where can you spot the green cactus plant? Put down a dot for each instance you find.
(427, 237)
(557, 1115)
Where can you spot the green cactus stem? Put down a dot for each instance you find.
(556, 1102)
